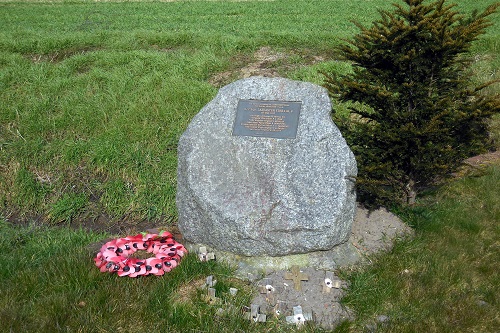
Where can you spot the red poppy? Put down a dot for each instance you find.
(139, 268)
(126, 270)
(154, 266)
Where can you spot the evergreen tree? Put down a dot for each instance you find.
(416, 115)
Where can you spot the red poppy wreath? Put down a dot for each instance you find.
(115, 255)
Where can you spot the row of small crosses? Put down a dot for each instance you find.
(299, 316)
(210, 282)
(296, 275)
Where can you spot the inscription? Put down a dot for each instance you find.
(274, 119)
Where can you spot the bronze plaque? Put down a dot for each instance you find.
(271, 119)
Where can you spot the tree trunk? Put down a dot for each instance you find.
(411, 193)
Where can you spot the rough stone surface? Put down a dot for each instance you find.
(372, 232)
(343, 255)
(265, 196)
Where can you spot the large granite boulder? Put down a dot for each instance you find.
(263, 195)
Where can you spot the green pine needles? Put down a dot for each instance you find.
(415, 115)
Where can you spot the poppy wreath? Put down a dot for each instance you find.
(114, 256)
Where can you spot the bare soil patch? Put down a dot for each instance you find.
(187, 291)
(484, 159)
(477, 163)
(264, 62)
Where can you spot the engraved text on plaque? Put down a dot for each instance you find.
(273, 119)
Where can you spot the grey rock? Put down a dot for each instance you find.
(383, 319)
(482, 303)
(266, 196)
(370, 328)
(375, 231)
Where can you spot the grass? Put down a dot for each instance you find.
(48, 283)
(102, 91)
(94, 97)
(445, 279)
(53, 286)
(96, 94)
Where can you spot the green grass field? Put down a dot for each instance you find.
(444, 280)
(93, 99)
(95, 95)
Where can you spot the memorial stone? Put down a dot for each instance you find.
(263, 170)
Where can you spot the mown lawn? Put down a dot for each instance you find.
(96, 94)
(444, 280)
(93, 99)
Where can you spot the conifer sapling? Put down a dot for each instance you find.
(415, 115)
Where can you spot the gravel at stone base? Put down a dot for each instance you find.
(325, 306)
(372, 232)
(375, 231)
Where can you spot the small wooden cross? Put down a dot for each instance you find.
(266, 287)
(255, 314)
(279, 308)
(204, 255)
(210, 281)
(299, 316)
(297, 276)
(210, 297)
(331, 282)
